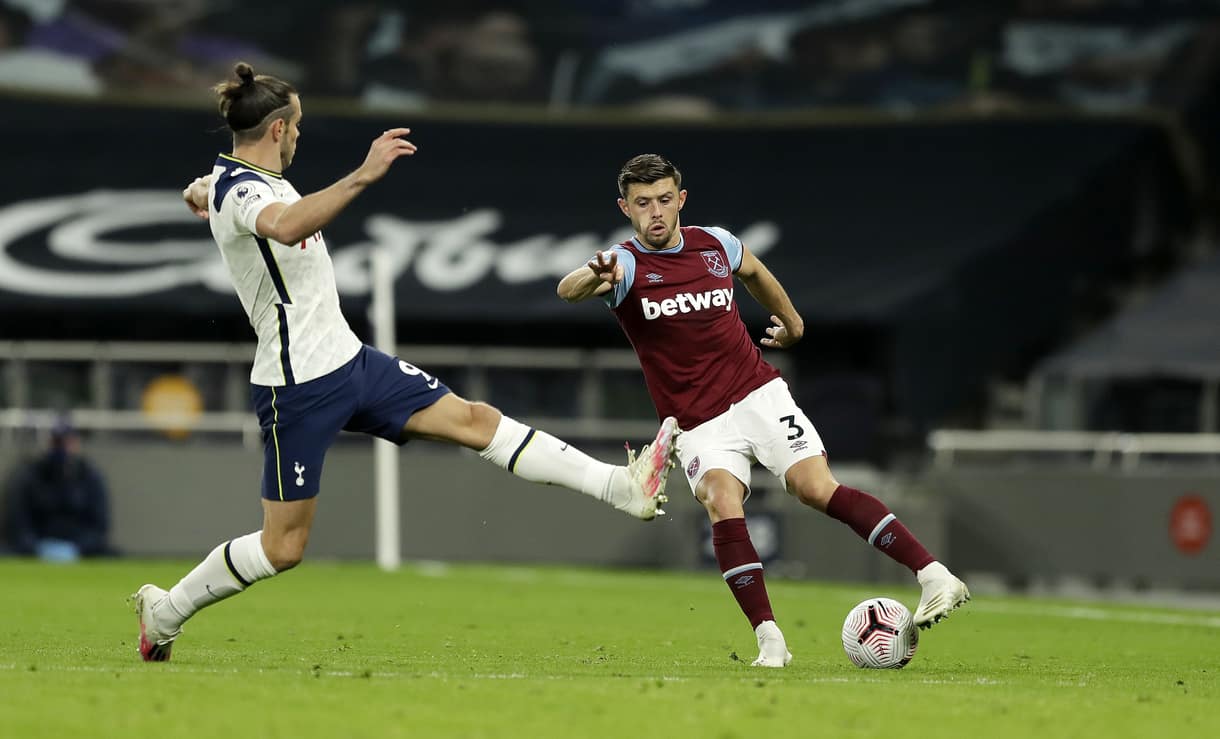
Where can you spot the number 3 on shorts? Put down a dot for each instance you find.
(797, 431)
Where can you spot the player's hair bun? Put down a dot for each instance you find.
(244, 72)
(246, 101)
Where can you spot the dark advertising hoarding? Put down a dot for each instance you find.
(936, 235)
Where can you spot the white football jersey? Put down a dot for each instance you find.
(288, 290)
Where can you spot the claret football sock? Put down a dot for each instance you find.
(873, 522)
(742, 569)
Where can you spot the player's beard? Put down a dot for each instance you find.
(660, 241)
(286, 155)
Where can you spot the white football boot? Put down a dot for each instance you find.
(942, 593)
(155, 644)
(648, 472)
(772, 649)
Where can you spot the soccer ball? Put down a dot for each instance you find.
(880, 633)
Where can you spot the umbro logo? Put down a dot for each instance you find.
(886, 540)
(798, 445)
(654, 277)
(743, 581)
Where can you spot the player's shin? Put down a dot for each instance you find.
(873, 522)
(537, 456)
(742, 569)
(228, 569)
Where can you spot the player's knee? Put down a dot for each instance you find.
(722, 496)
(286, 559)
(813, 488)
(285, 553)
(719, 508)
(483, 415)
(482, 420)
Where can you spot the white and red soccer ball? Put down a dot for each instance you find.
(880, 633)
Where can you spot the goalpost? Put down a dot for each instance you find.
(385, 454)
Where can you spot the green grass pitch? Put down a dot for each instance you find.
(344, 650)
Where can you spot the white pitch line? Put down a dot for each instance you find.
(202, 670)
(1095, 614)
(610, 579)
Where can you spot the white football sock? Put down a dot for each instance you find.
(227, 570)
(539, 457)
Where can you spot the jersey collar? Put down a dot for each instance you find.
(252, 167)
(635, 241)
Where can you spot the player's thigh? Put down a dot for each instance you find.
(455, 420)
(299, 423)
(392, 393)
(714, 445)
(779, 433)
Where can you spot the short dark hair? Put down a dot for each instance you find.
(646, 169)
(249, 102)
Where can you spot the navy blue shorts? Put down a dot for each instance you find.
(374, 394)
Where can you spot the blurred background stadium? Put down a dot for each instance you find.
(997, 219)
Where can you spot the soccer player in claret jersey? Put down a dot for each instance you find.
(312, 377)
(671, 288)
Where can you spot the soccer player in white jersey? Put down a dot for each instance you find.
(701, 366)
(312, 377)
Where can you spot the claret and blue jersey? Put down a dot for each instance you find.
(676, 307)
(627, 250)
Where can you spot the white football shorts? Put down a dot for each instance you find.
(765, 426)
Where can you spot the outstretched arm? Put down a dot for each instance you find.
(789, 327)
(598, 277)
(289, 224)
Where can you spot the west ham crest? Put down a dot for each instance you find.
(715, 263)
(692, 469)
